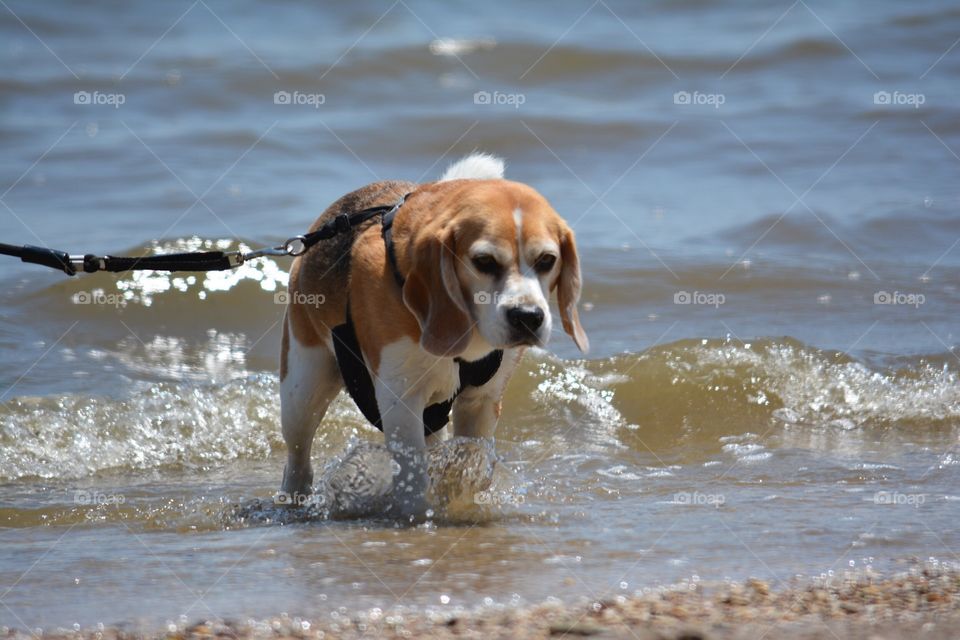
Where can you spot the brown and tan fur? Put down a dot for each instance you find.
(409, 337)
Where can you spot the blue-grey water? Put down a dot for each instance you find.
(766, 200)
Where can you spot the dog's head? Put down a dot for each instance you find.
(485, 259)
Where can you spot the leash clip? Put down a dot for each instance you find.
(260, 253)
(296, 246)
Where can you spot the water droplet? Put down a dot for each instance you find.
(445, 599)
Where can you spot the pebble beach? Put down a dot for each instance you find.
(925, 600)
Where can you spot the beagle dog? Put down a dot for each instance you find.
(433, 307)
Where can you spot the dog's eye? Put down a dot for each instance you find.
(545, 263)
(485, 263)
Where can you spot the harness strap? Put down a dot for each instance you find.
(386, 230)
(344, 222)
(359, 383)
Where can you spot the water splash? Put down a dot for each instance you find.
(467, 483)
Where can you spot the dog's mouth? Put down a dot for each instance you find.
(522, 338)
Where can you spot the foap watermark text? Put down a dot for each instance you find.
(495, 297)
(697, 98)
(697, 499)
(98, 98)
(282, 498)
(305, 299)
(498, 98)
(497, 499)
(704, 298)
(899, 499)
(299, 98)
(86, 498)
(899, 298)
(99, 297)
(899, 99)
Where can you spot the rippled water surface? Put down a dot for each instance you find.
(765, 197)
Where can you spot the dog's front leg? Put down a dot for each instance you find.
(402, 417)
(475, 414)
(477, 409)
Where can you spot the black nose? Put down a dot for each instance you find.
(525, 318)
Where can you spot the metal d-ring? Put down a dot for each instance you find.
(296, 246)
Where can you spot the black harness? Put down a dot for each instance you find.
(356, 376)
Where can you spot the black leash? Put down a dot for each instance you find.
(198, 261)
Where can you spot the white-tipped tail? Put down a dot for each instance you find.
(476, 166)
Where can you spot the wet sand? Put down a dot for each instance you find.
(924, 600)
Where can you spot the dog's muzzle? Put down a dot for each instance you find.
(525, 322)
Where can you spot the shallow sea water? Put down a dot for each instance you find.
(752, 405)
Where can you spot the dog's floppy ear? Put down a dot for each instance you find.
(568, 290)
(432, 292)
